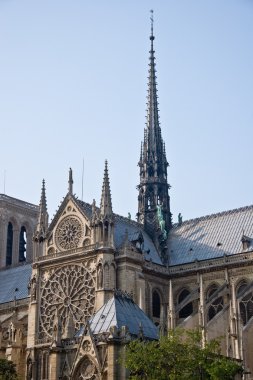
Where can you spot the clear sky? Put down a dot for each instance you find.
(73, 82)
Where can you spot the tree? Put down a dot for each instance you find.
(179, 356)
(7, 370)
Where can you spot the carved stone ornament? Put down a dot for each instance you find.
(87, 370)
(86, 345)
(69, 291)
(69, 233)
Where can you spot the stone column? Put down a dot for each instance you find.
(234, 322)
(201, 310)
(171, 309)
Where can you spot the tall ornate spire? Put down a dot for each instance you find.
(153, 200)
(70, 181)
(106, 202)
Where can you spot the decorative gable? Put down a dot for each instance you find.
(70, 228)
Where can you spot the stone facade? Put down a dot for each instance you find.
(197, 273)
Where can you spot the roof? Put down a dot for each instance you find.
(14, 282)
(121, 311)
(211, 236)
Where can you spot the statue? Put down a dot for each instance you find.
(32, 287)
(100, 276)
(180, 219)
(161, 221)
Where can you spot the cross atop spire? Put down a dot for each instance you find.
(106, 202)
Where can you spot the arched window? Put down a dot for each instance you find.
(156, 304)
(246, 308)
(9, 244)
(187, 310)
(216, 304)
(22, 244)
(241, 287)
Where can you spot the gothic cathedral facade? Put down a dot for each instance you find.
(75, 291)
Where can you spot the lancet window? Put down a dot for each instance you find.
(9, 244)
(246, 308)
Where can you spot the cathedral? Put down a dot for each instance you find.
(74, 291)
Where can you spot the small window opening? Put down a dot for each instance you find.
(22, 245)
(9, 244)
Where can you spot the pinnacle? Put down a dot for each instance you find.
(106, 202)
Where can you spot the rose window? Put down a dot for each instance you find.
(70, 290)
(69, 233)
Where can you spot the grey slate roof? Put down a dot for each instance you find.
(120, 311)
(211, 236)
(13, 283)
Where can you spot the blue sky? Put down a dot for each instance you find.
(73, 82)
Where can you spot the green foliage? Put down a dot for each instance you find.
(7, 370)
(179, 356)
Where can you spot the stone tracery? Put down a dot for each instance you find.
(69, 291)
(69, 233)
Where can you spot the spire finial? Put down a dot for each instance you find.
(70, 181)
(152, 24)
(43, 199)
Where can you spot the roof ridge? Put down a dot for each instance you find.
(215, 215)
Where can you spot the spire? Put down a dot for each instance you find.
(70, 181)
(153, 200)
(42, 223)
(106, 202)
(154, 140)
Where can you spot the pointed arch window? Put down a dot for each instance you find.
(22, 244)
(9, 244)
(241, 287)
(246, 308)
(156, 304)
